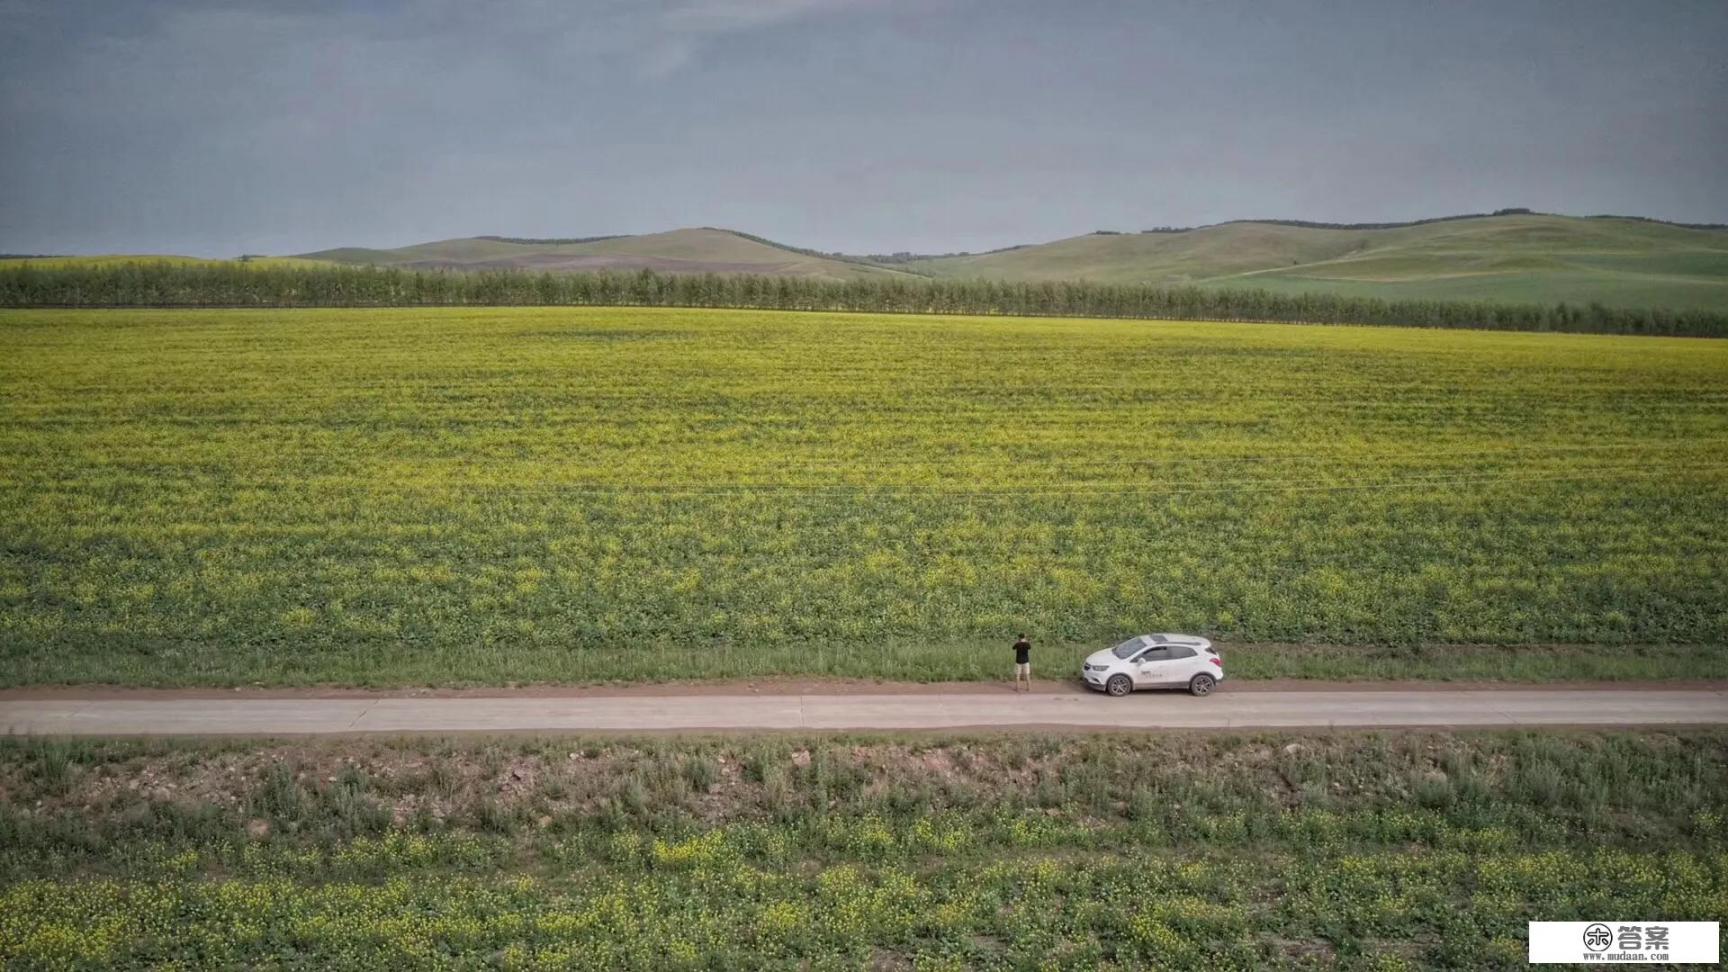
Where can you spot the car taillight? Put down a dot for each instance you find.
(1219, 662)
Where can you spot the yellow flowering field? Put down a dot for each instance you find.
(1130, 910)
(563, 494)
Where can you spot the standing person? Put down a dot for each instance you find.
(1022, 663)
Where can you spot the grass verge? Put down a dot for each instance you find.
(1358, 850)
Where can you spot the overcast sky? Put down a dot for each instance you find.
(217, 127)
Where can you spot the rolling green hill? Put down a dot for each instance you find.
(118, 259)
(1515, 257)
(1522, 257)
(703, 250)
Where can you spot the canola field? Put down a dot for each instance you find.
(703, 904)
(389, 496)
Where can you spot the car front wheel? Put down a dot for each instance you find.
(1119, 685)
(1202, 685)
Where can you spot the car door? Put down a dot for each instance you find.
(1185, 663)
(1152, 667)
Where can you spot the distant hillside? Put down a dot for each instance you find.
(121, 259)
(704, 250)
(1512, 256)
(1617, 261)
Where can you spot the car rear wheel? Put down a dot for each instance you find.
(1202, 685)
(1119, 685)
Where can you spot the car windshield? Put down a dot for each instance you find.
(1128, 647)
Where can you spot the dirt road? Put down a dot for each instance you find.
(126, 713)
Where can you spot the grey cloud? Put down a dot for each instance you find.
(216, 127)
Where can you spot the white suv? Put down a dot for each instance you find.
(1155, 661)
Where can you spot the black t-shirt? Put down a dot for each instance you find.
(1022, 652)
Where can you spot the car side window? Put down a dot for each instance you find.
(1179, 651)
(1155, 655)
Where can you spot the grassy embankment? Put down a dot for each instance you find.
(507, 495)
(1180, 851)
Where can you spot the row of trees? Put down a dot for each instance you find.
(235, 285)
